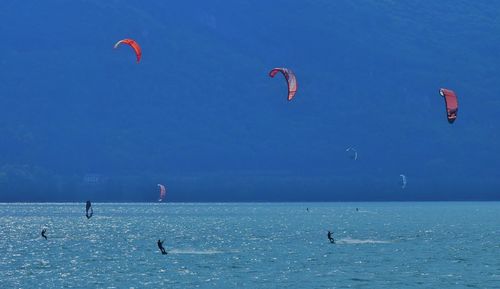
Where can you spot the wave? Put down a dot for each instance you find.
(194, 252)
(366, 212)
(359, 241)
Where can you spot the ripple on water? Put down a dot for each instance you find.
(253, 246)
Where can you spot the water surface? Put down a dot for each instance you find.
(251, 245)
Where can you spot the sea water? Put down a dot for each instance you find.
(251, 245)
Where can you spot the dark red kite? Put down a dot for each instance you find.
(290, 79)
(134, 45)
(451, 101)
(163, 192)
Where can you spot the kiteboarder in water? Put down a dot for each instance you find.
(330, 237)
(160, 245)
(43, 233)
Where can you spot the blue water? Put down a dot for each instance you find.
(254, 245)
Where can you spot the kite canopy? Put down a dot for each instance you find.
(88, 210)
(163, 192)
(451, 102)
(403, 181)
(290, 79)
(132, 43)
(353, 153)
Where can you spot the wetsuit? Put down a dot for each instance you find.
(160, 246)
(331, 238)
(43, 234)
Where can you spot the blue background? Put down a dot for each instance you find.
(81, 120)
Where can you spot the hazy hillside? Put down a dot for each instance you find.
(200, 114)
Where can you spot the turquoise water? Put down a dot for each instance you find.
(251, 245)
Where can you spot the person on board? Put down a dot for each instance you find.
(160, 245)
(43, 233)
(330, 237)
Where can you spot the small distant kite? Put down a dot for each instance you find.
(451, 102)
(132, 43)
(353, 154)
(89, 212)
(290, 79)
(163, 192)
(403, 181)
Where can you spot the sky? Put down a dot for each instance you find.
(80, 120)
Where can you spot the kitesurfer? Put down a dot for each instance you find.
(357, 210)
(160, 245)
(43, 233)
(330, 237)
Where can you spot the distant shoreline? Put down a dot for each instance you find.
(254, 202)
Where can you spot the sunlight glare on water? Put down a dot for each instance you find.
(251, 245)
